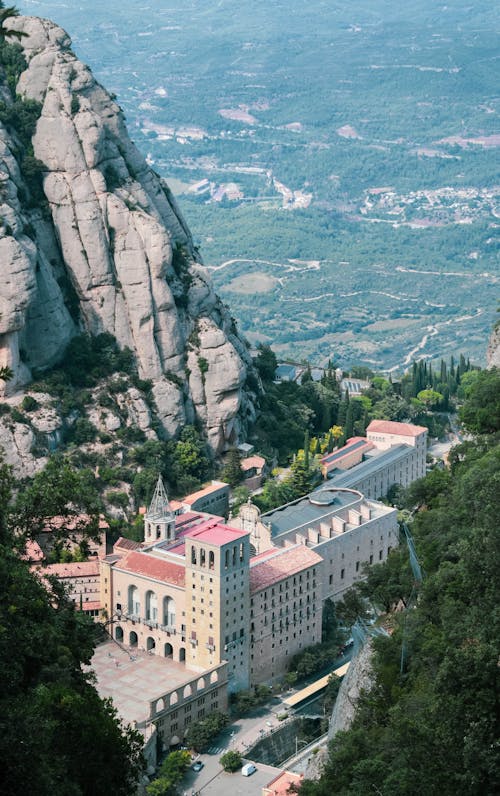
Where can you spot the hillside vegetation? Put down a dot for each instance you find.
(429, 724)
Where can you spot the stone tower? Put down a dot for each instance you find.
(218, 601)
(159, 521)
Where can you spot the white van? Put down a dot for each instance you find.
(248, 769)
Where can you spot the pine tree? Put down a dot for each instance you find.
(232, 472)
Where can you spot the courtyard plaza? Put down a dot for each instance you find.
(133, 678)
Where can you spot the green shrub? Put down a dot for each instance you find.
(231, 761)
(18, 416)
(75, 103)
(29, 404)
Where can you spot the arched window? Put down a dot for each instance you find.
(235, 549)
(202, 557)
(134, 601)
(132, 639)
(174, 698)
(169, 651)
(193, 555)
(119, 633)
(182, 654)
(150, 643)
(226, 559)
(160, 705)
(151, 606)
(211, 559)
(187, 691)
(168, 612)
(214, 677)
(200, 685)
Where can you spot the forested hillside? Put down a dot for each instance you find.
(429, 724)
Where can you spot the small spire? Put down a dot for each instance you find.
(159, 506)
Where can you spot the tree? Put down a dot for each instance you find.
(300, 480)
(430, 398)
(81, 746)
(200, 734)
(481, 410)
(5, 15)
(231, 761)
(171, 773)
(266, 362)
(232, 472)
(351, 607)
(435, 678)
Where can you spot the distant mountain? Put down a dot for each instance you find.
(91, 239)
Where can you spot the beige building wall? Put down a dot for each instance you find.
(217, 606)
(173, 711)
(284, 618)
(147, 614)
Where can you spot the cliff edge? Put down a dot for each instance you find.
(105, 249)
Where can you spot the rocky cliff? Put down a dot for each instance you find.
(106, 250)
(493, 352)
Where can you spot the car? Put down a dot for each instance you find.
(248, 769)
(197, 766)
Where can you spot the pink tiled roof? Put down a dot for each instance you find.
(280, 785)
(252, 461)
(33, 551)
(75, 569)
(152, 567)
(208, 490)
(345, 449)
(274, 565)
(390, 427)
(126, 544)
(91, 605)
(215, 532)
(77, 523)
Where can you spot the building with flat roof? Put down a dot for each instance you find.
(339, 524)
(213, 499)
(392, 453)
(351, 454)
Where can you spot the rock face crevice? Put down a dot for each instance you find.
(115, 241)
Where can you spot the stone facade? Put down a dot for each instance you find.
(340, 525)
(285, 609)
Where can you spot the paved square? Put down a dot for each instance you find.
(133, 679)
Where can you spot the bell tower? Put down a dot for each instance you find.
(159, 520)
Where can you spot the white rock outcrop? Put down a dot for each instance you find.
(493, 352)
(110, 253)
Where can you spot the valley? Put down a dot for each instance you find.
(363, 141)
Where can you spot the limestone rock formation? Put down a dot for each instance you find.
(493, 352)
(109, 253)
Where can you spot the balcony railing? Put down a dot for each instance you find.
(168, 629)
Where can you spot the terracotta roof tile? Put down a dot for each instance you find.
(91, 605)
(390, 427)
(253, 461)
(274, 565)
(126, 544)
(75, 569)
(143, 564)
(208, 490)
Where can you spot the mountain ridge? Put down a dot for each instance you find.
(107, 250)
